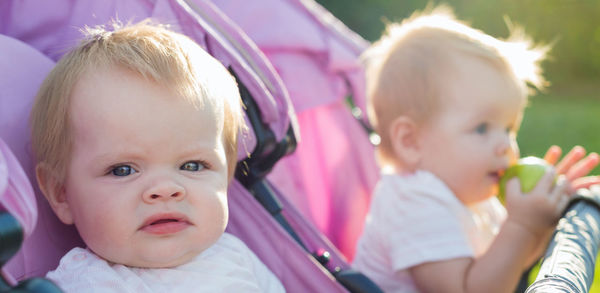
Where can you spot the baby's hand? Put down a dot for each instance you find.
(575, 166)
(538, 210)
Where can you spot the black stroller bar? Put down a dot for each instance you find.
(11, 238)
(570, 259)
(252, 170)
(252, 173)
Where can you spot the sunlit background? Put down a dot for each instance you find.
(568, 112)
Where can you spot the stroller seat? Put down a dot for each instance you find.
(19, 85)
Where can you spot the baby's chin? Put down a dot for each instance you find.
(158, 252)
(477, 198)
(154, 258)
(156, 262)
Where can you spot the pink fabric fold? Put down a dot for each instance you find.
(16, 193)
(331, 174)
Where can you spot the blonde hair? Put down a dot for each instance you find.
(403, 67)
(157, 54)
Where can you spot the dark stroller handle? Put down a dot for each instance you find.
(11, 237)
(251, 173)
(569, 263)
(356, 282)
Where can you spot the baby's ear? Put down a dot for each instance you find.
(54, 192)
(405, 141)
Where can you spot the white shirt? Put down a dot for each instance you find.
(227, 266)
(415, 219)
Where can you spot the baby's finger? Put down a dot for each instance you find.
(583, 167)
(585, 182)
(544, 185)
(513, 187)
(553, 154)
(574, 155)
(559, 190)
(562, 204)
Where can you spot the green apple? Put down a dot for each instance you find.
(529, 170)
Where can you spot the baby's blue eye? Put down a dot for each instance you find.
(192, 166)
(123, 170)
(481, 128)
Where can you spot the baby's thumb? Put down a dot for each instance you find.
(513, 187)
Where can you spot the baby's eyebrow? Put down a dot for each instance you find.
(114, 156)
(206, 148)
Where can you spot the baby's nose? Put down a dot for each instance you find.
(505, 145)
(162, 190)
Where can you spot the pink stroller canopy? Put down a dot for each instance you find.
(330, 176)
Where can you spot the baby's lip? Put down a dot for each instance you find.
(501, 172)
(168, 217)
(497, 174)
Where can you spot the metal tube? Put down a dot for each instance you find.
(570, 259)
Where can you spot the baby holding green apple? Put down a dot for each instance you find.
(447, 101)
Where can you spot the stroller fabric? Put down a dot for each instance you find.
(23, 69)
(332, 173)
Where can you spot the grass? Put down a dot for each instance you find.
(561, 119)
(565, 118)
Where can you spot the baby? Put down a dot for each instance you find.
(135, 135)
(447, 101)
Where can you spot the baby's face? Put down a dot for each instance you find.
(147, 181)
(473, 138)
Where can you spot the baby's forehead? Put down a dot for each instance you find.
(121, 81)
(107, 91)
(116, 99)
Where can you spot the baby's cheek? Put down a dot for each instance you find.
(513, 154)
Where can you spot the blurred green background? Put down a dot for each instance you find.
(565, 114)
